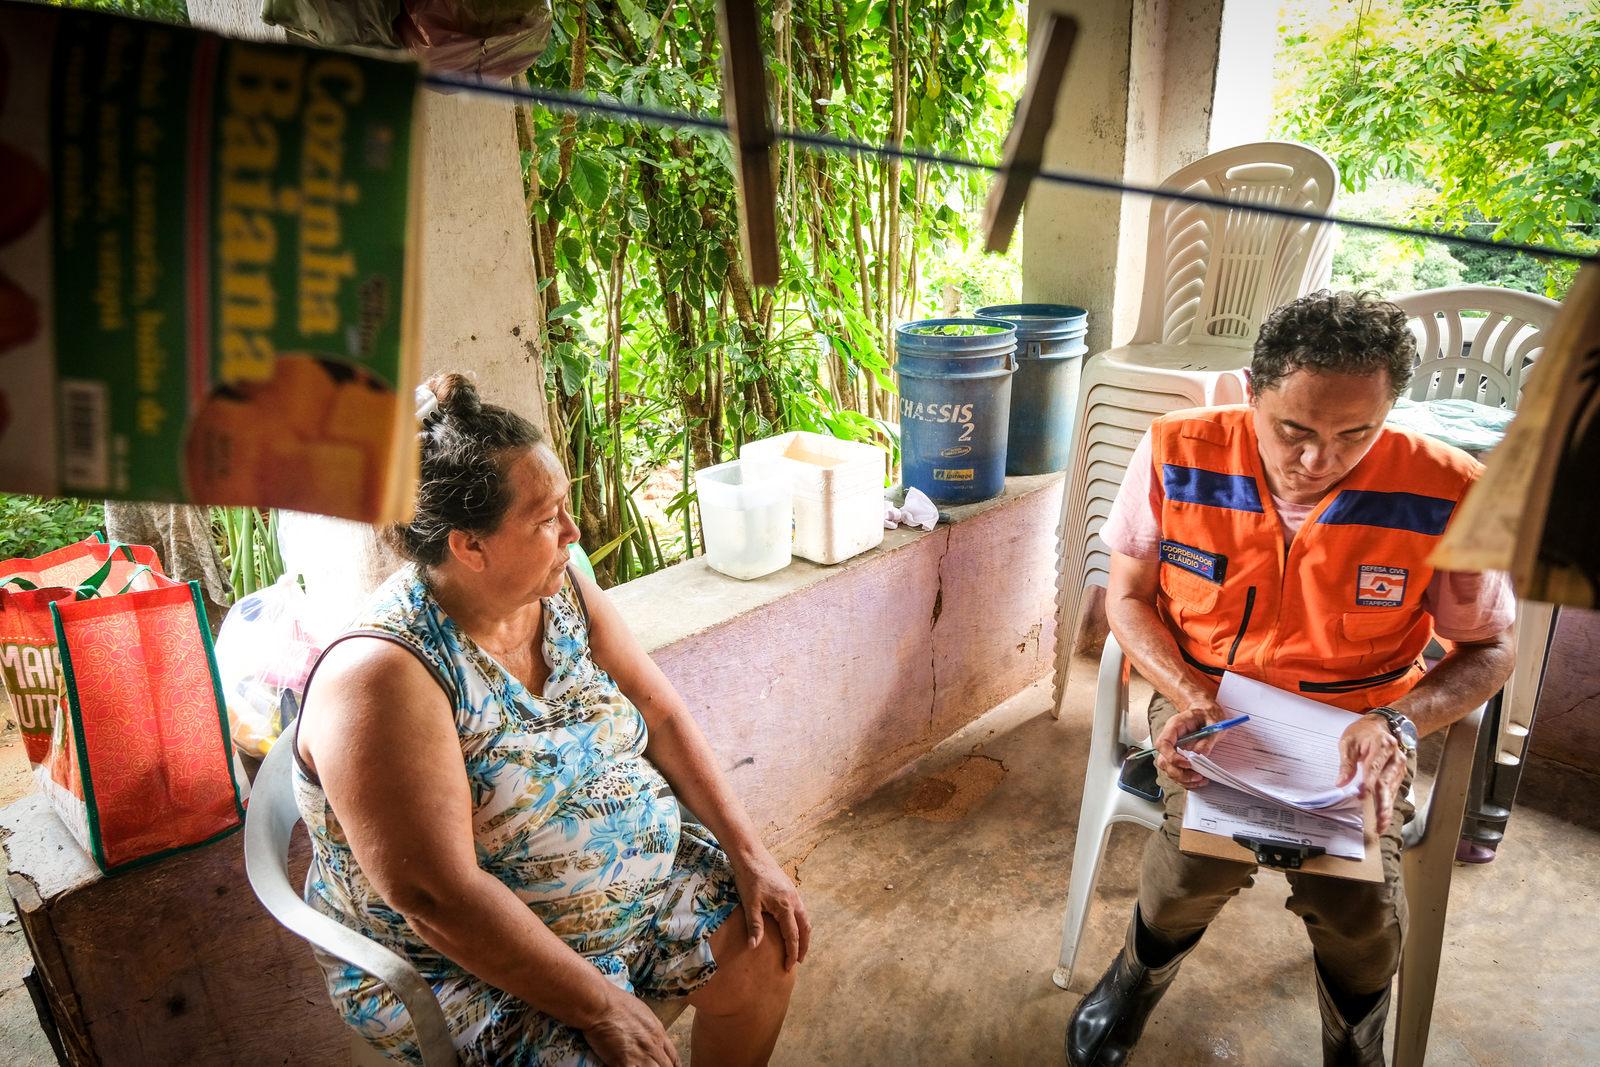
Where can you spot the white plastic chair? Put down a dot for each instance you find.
(1212, 276)
(1509, 339)
(1427, 861)
(268, 824)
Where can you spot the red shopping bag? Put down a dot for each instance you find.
(29, 662)
(30, 667)
(144, 707)
(94, 565)
(111, 674)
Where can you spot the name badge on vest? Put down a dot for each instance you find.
(1209, 565)
(1381, 587)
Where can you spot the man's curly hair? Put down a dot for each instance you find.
(1335, 333)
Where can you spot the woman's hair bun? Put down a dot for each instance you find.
(458, 397)
(464, 444)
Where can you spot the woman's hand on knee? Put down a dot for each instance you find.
(764, 889)
(630, 1035)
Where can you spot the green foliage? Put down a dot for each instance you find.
(31, 526)
(957, 329)
(249, 544)
(660, 355)
(1392, 265)
(1494, 107)
(1481, 266)
(965, 279)
(160, 10)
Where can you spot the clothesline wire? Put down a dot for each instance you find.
(582, 104)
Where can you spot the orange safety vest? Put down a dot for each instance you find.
(1337, 615)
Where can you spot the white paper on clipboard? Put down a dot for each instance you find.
(1217, 809)
(1287, 758)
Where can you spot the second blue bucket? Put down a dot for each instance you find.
(1044, 394)
(955, 403)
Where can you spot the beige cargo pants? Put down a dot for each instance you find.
(1355, 927)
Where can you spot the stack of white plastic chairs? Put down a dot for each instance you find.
(1212, 275)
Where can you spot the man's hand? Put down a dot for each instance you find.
(1200, 712)
(1368, 745)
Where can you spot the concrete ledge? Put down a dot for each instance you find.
(818, 684)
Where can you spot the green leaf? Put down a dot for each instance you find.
(589, 181)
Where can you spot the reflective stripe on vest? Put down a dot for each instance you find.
(1338, 615)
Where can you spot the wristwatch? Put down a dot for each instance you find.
(1404, 730)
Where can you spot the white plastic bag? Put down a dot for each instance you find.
(265, 651)
(341, 561)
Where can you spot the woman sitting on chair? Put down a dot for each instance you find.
(489, 767)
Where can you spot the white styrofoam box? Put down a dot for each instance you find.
(838, 492)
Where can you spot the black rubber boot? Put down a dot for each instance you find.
(1346, 1043)
(1109, 1020)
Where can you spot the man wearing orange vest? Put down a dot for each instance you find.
(1288, 540)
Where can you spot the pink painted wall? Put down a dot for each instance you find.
(1566, 724)
(815, 700)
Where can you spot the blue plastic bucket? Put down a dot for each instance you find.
(1044, 394)
(955, 402)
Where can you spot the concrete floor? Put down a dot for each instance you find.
(22, 1043)
(937, 909)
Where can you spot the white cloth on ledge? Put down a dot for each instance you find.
(917, 511)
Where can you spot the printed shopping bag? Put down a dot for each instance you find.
(145, 710)
(93, 565)
(29, 662)
(114, 681)
(30, 667)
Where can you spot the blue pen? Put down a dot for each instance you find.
(1206, 731)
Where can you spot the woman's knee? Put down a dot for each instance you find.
(747, 977)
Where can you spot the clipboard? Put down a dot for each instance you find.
(1367, 869)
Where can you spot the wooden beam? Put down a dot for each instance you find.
(744, 94)
(1036, 111)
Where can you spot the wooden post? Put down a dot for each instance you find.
(1036, 111)
(744, 89)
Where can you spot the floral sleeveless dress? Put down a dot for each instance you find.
(566, 811)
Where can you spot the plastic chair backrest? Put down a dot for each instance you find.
(268, 824)
(1509, 339)
(580, 560)
(1213, 274)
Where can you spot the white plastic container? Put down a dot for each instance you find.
(745, 516)
(838, 491)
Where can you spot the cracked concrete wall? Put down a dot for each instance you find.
(1136, 105)
(816, 698)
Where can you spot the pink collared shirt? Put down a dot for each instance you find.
(1465, 605)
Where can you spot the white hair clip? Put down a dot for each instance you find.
(427, 402)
